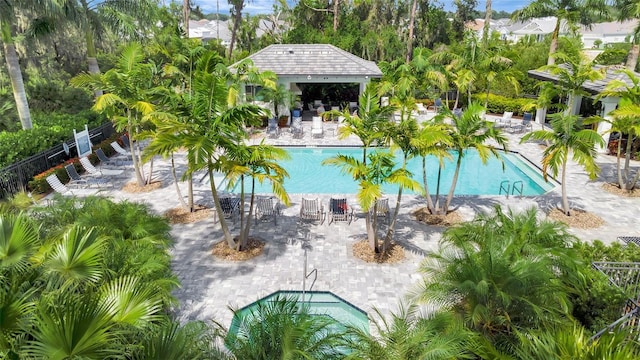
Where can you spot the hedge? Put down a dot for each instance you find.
(500, 104)
(48, 130)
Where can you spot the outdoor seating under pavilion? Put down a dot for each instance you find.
(593, 88)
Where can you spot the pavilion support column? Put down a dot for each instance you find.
(541, 116)
(609, 104)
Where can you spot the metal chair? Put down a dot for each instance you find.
(311, 209)
(230, 206)
(76, 179)
(382, 208)
(105, 160)
(339, 210)
(265, 208)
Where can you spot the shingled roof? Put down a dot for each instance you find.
(312, 59)
(592, 87)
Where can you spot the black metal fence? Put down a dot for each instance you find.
(14, 178)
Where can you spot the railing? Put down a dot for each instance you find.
(517, 189)
(14, 178)
(504, 186)
(306, 275)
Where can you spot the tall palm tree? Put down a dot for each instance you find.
(127, 101)
(371, 175)
(573, 12)
(9, 14)
(284, 329)
(236, 14)
(257, 162)
(630, 10)
(625, 120)
(124, 17)
(409, 335)
(567, 137)
(503, 274)
(470, 130)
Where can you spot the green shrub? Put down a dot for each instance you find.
(48, 130)
(57, 96)
(500, 104)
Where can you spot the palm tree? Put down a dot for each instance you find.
(171, 340)
(409, 335)
(503, 274)
(127, 100)
(567, 136)
(284, 329)
(630, 10)
(470, 130)
(371, 175)
(257, 162)
(8, 17)
(625, 120)
(124, 17)
(236, 13)
(573, 12)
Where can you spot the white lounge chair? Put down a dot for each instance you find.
(316, 127)
(505, 120)
(92, 170)
(265, 208)
(77, 180)
(57, 185)
(310, 209)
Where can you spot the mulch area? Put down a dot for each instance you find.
(615, 189)
(133, 187)
(362, 251)
(180, 215)
(579, 219)
(425, 216)
(255, 247)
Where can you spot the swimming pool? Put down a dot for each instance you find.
(319, 303)
(309, 176)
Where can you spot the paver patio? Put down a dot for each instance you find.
(210, 286)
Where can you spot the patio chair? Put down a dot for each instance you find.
(92, 170)
(310, 209)
(57, 185)
(119, 149)
(437, 104)
(265, 208)
(317, 103)
(105, 160)
(296, 128)
(339, 210)
(316, 127)
(382, 208)
(505, 120)
(421, 108)
(76, 179)
(230, 206)
(126, 144)
(524, 125)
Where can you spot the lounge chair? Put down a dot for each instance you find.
(310, 209)
(421, 108)
(272, 128)
(524, 125)
(120, 150)
(265, 208)
(437, 104)
(92, 170)
(76, 179)
(296, 128)
(505, 120)
(339, 210)
(382, 208)
(316, 127)
(230, 206)
(57, 185)
(126, 143)
(105, 160)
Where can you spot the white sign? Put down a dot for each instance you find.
(83, 143)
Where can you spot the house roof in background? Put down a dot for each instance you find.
(593, 87)
(611, 28)
(313, 60)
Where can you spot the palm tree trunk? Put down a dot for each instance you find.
(453, 183)
(175, 182)
(185, 16)
(412, 20)
(238, 5)
(15, 74)
(216, 203)
(618, 168)
(92, 61)
(387, 239)
(554, 43)
(487, 21)
(437, 204)
(190, 190)
(245, 232)
(426, 187)
(242, 217)
(565, 199)
(627, 161)
(455, 105)
(371, 234)
(632, 58)
(134, 157)
(335, 15)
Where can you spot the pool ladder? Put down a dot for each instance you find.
(516, 187)
(306, 275)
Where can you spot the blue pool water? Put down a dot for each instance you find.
(321, 303)
(309, 176)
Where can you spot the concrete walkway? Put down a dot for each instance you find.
(210, 286)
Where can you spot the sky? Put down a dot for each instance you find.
(265, 6)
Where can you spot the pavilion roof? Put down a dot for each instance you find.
(592, 87)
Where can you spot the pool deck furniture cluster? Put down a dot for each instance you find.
(209, 285)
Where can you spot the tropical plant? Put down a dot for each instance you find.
(409, 334)
(257, 162)
(567, 136)
(470, 130)
(371, 175)
(503, 274)
(282, 328)
(630, 10)
(573, 12)
(625, 120)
